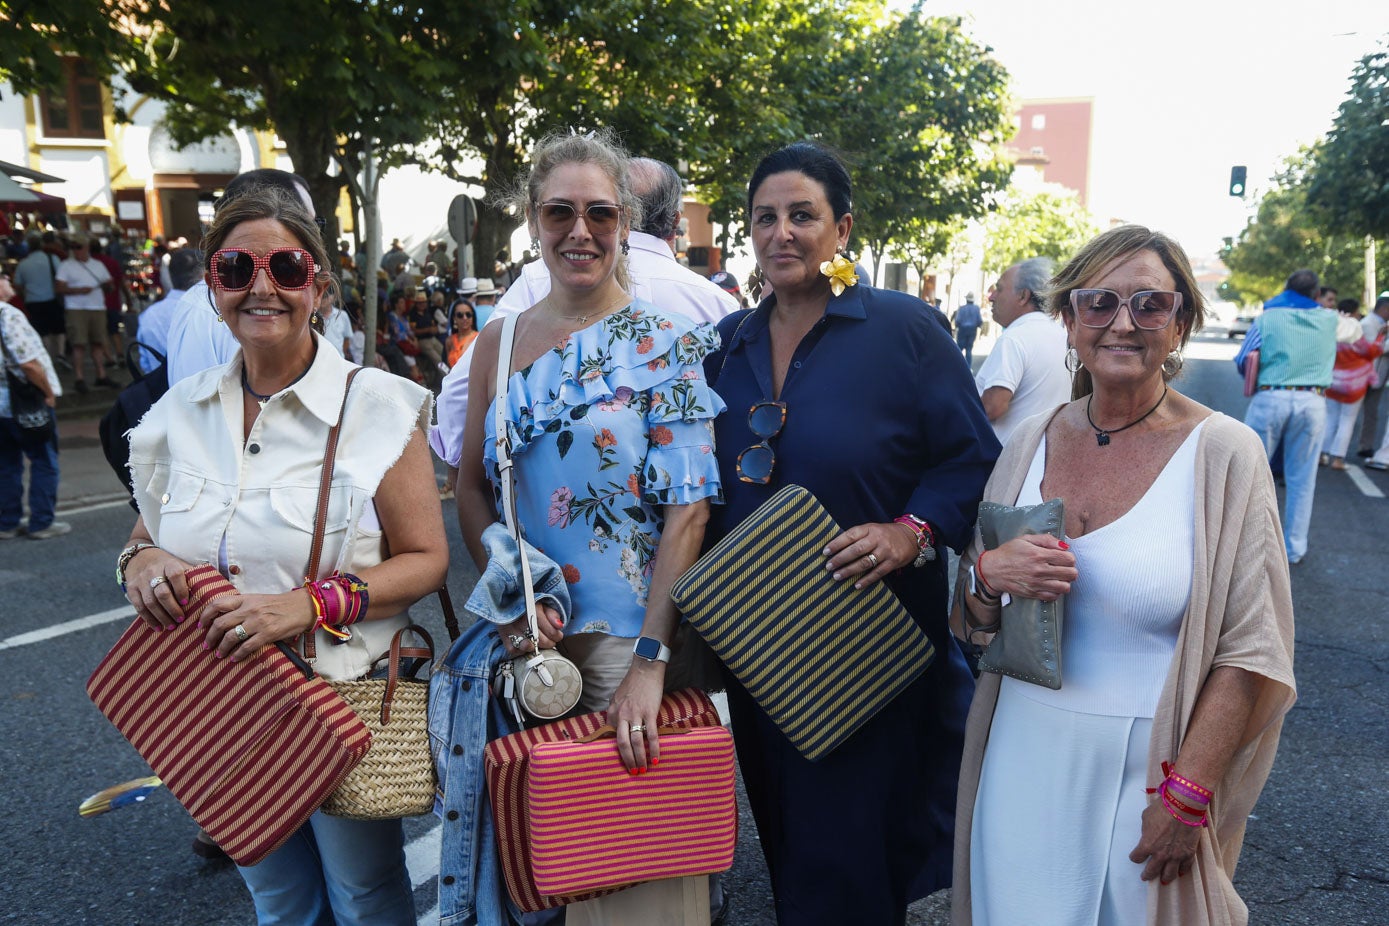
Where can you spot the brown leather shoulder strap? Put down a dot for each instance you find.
(325, 487)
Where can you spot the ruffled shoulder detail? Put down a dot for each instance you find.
(638, 353)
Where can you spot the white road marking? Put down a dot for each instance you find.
(422, 859)
(125, 612)
(122, 502)
(1362, 482)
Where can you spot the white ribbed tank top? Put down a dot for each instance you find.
(1126, 607)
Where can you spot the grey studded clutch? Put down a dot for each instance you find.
(1027, 645)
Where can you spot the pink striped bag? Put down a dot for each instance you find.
(594, 826)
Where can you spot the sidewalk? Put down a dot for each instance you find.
(84, 476)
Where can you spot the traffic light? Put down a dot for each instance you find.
(1237, 175)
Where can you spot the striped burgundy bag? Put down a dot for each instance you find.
(250, 749)
(594, 826)
(507, 763)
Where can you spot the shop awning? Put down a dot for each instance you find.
(15, 170)
(11, 192)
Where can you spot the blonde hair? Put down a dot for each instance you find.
(599, 148)
(1102, 251)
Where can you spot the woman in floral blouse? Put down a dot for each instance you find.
(610, 421)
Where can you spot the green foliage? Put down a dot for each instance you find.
(1048, 222)
(1349, 180)
(39, 32)
(917, 107)
(1289, 232)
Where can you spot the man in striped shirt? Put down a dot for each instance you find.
(1296, 340)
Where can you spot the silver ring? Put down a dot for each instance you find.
(872, 560)
(241, 633)
(637, 728)
(517, 641)
(158, 581)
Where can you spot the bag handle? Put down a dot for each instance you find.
(607, 731)
(325, 487)
(505, 466)
(422, 655)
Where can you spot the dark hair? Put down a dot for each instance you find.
(1349, 306)
(264, 177)
(1303, 282)
(1323, 290)
(185, 267)
(661, 192)
(1381, 302)
(816, 162)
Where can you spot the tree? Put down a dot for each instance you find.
(921, 113)
(1349, 180)
(1289, 232)
(38, 35)
(1046, 222)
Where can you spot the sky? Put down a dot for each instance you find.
(1183, 90)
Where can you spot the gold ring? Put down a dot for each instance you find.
(241, 633)
(158, 581)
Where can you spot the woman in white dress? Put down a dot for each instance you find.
(1121, 798)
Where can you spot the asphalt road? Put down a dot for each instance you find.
(1314, 853)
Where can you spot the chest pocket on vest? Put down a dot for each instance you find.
(298, 505)
(180, 492)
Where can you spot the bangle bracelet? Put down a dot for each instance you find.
(126, 556)
(984, 582)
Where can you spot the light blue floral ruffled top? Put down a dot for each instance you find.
(613, 423)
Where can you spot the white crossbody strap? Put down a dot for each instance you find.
(505, 468)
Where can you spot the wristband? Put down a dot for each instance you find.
(983, 580)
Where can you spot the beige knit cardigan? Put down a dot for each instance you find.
(1240, 614)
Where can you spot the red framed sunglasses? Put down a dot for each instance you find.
(234, 269)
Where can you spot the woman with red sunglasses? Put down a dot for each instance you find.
(227, 468)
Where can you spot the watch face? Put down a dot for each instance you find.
(647, 648)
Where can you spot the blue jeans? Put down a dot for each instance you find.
(335, 872)
(43, 478)
(964, 339)
(1298, 419)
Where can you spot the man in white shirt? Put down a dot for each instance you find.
(82, 281)
(1025, 373)
(657, 277)
(197, 337)
(185, 271)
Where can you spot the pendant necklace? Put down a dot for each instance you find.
(1101, 435)
(262, 399)
(583, 319)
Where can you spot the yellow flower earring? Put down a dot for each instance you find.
(841, 273)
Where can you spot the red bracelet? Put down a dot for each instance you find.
(979, 571)
(1187, 783)
(1175, 814)
(1186, 808)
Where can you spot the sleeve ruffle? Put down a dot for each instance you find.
(684, 469)
(638, 351)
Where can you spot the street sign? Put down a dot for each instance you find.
(463, 219)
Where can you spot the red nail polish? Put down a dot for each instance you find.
(631, 771)
(642, 770)
(1063, 544)
(655, 762)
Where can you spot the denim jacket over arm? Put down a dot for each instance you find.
(463, 717)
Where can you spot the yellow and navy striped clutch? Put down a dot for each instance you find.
(819, 656)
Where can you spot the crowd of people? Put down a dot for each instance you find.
(648, 412)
